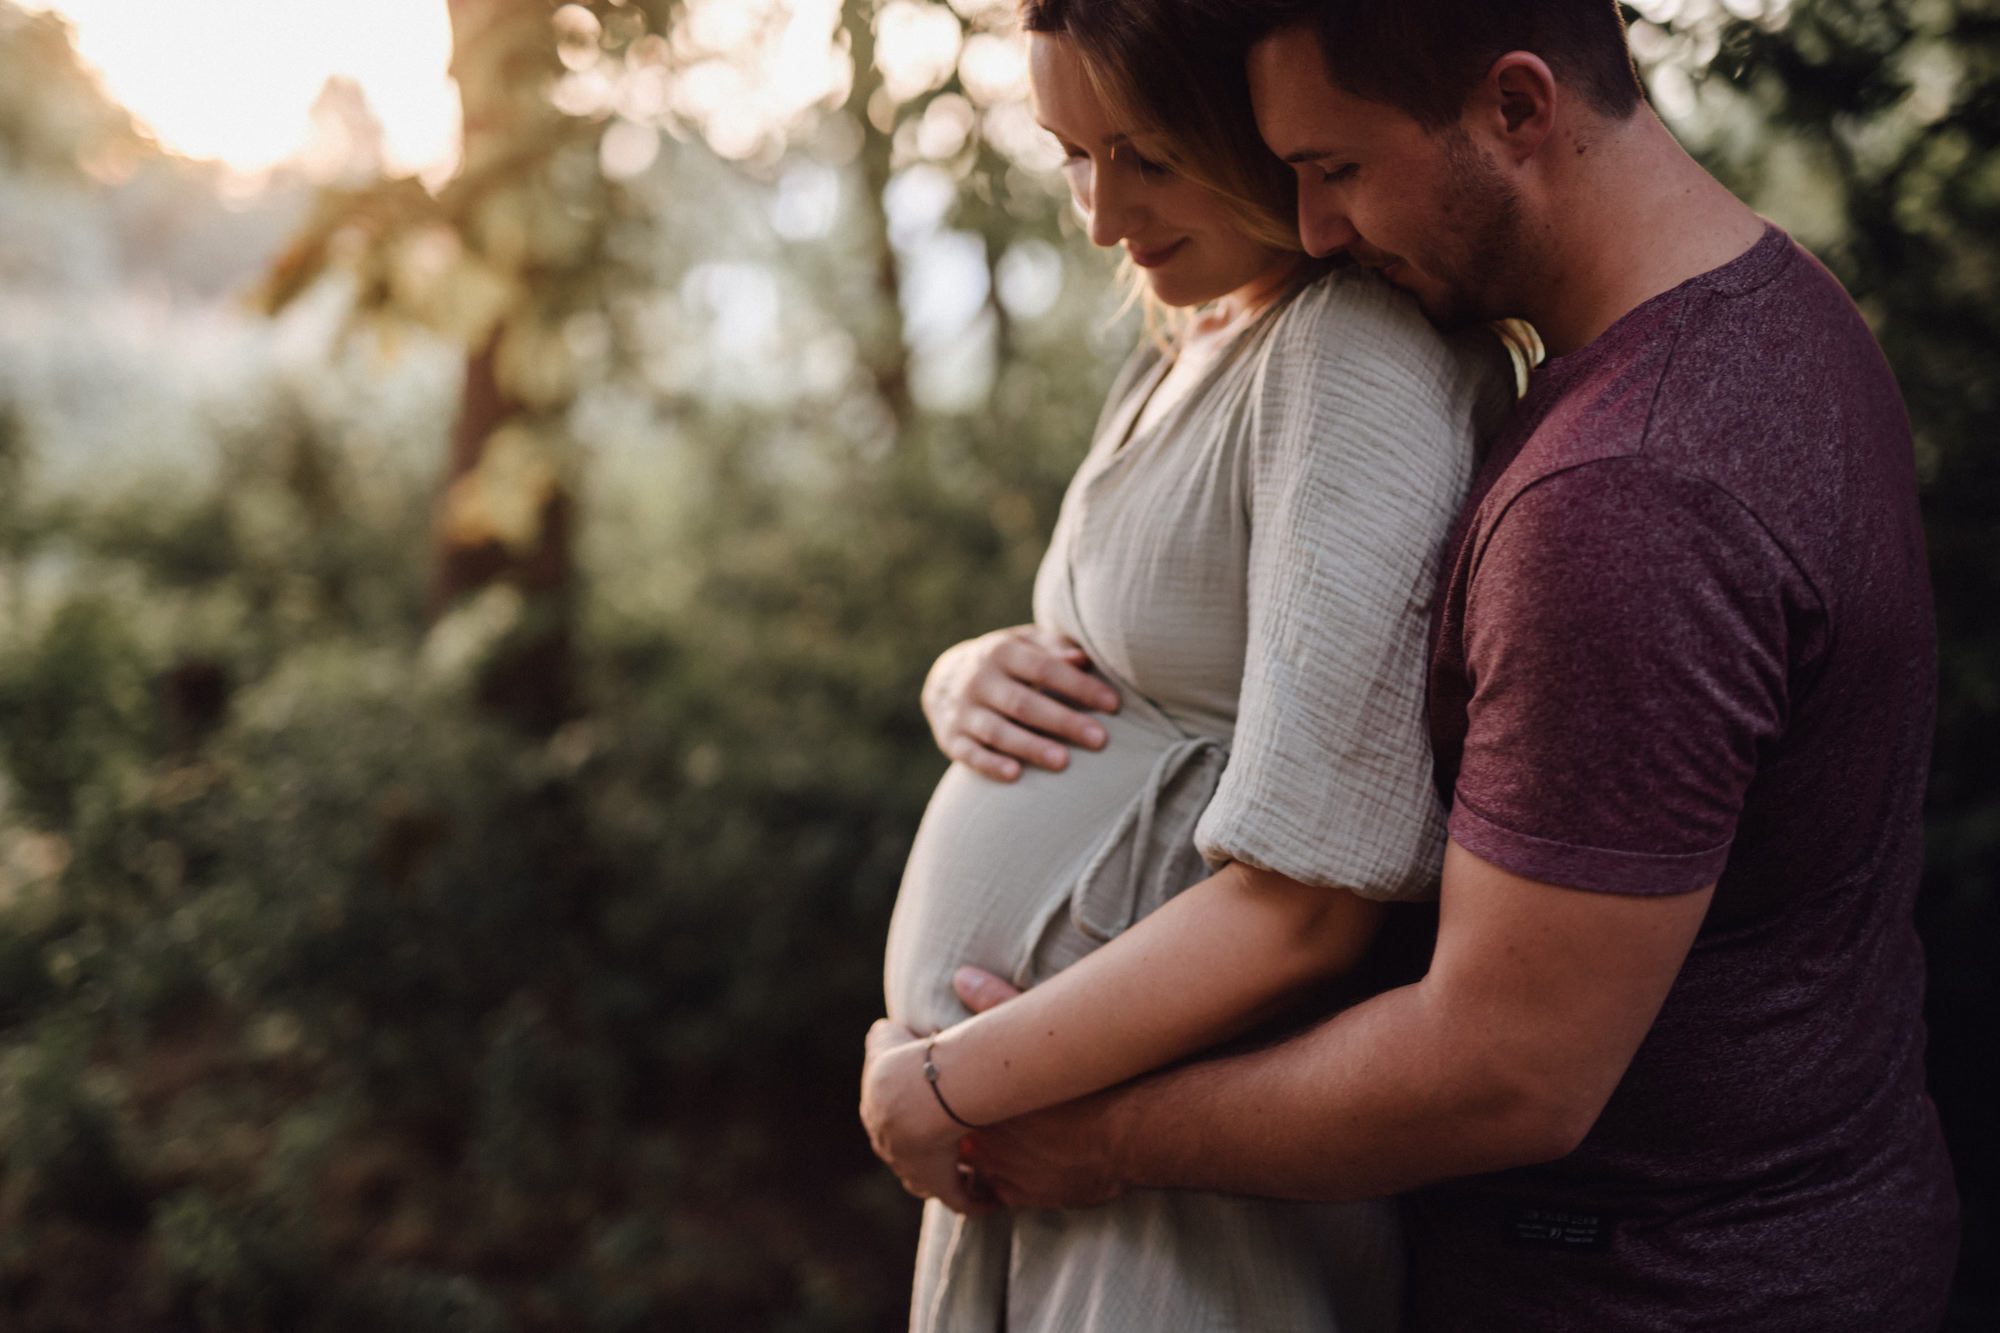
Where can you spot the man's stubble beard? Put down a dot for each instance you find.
(1481, 247)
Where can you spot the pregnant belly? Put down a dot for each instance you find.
(993, 860)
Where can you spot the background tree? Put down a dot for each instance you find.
(503, 261)
(53, 117)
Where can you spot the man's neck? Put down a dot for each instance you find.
(1626, 215)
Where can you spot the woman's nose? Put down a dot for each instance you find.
(1110, 206)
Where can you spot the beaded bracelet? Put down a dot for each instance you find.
(931, 1077)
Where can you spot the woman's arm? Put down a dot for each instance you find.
(1212, 962)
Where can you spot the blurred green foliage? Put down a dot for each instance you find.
(331, 999)
(322, 983)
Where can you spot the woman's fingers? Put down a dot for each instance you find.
(965, 750)
(994, 731)
(989, 702)
(1053, 663)
(1031, 708)
(884, 1035)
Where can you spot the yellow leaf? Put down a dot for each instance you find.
(502, 498)
(533, 363)
(449, 291)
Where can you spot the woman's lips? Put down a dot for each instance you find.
(1155, 258)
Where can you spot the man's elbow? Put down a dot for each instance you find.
(1543, 1129)
(1531, 1118)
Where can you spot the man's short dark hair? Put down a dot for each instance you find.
(1424, 57)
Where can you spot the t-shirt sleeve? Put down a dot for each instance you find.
(1626, 636)
(1361, 450)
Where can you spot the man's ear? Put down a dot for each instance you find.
(1514, 106)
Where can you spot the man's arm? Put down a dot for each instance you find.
(1503, 1055)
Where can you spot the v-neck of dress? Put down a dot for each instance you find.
(1128, 431)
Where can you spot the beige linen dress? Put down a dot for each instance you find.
(1253, 574)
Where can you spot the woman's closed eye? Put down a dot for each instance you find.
(1151, 169)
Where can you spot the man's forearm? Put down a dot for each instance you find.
(1379, 1099)
(1504, 1054)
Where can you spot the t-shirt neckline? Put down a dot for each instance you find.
(1745, 273)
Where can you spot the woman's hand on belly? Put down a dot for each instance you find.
(989, 701)
(907, 1123)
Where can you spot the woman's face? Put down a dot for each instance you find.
(1190, 247)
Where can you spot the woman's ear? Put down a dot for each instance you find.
(1514, 105)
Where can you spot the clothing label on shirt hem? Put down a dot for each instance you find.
(1544, 1226)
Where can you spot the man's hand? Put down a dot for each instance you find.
(988, 701)
(1058, 1158)
(907, 1127)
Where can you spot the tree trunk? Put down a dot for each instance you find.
(883, 349)
(500, 50)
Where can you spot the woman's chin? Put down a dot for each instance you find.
(1184, 290)
(1173, 290)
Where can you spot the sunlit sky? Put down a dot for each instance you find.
(236, 79)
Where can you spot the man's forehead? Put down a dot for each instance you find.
(1301, 112)
(1286, 57)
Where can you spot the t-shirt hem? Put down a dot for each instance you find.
(1593, 869)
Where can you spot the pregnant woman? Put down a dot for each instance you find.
(1244, 560)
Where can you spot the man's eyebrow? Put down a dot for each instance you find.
(1306, 155)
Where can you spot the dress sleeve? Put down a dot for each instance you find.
(1630, 632)
(1360, 451)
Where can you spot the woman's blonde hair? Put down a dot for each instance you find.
(1180, 87)
(1158, 79)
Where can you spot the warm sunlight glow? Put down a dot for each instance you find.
(236, 79)
(750, 69)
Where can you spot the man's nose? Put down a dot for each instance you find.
(1324, 228)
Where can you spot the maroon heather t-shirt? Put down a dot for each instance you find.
(1686, 638)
